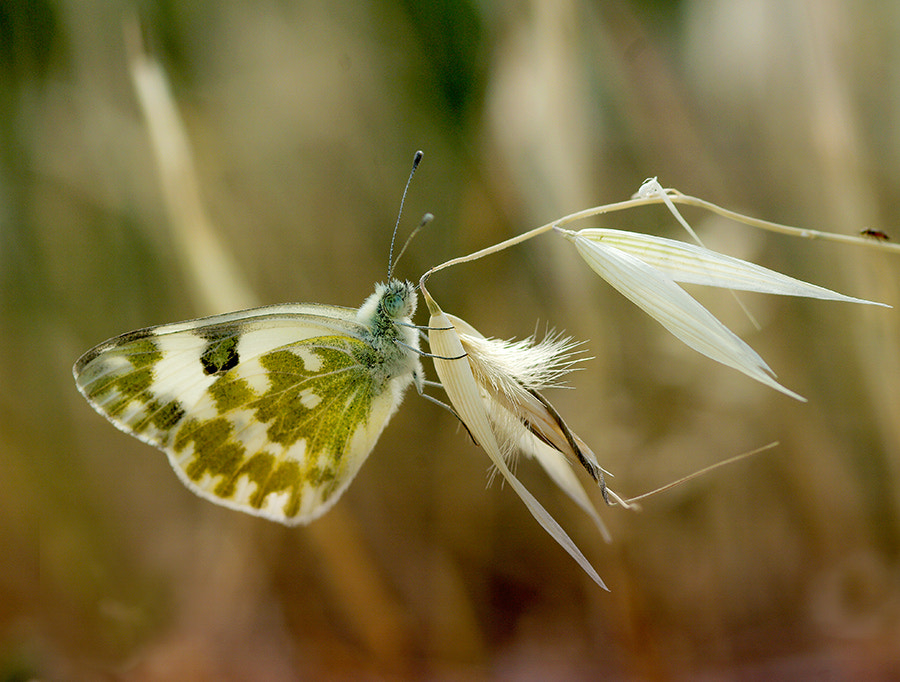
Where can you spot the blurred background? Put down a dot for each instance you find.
(301, 120)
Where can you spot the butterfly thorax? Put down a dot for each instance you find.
(387, 314)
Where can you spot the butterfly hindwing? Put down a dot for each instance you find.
(270, 411)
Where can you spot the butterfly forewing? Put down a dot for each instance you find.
(271, 411)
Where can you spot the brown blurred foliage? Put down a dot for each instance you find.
(303, 118)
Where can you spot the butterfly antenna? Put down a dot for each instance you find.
(427, 218)
(391, 262)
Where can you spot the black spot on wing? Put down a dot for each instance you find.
(220, 353)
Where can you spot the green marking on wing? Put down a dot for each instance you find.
(162, 415)
(231, 393)
(144, 353)
(323, 407)
(113, 385)
(215, 452)
(343, 390)
(131, 386)
(280, 476)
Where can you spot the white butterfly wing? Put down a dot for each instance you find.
(270, 411)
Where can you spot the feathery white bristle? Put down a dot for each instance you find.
(527, 363)
(508, 373)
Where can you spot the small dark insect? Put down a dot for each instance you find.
(874, 234)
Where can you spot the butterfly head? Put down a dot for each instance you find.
(391, 302)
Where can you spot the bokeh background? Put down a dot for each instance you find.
(302, 118)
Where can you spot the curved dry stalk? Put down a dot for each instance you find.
(700, 472)
(672, 196)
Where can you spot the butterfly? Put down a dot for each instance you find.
(271, 410)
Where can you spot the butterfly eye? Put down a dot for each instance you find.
(393, 304)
